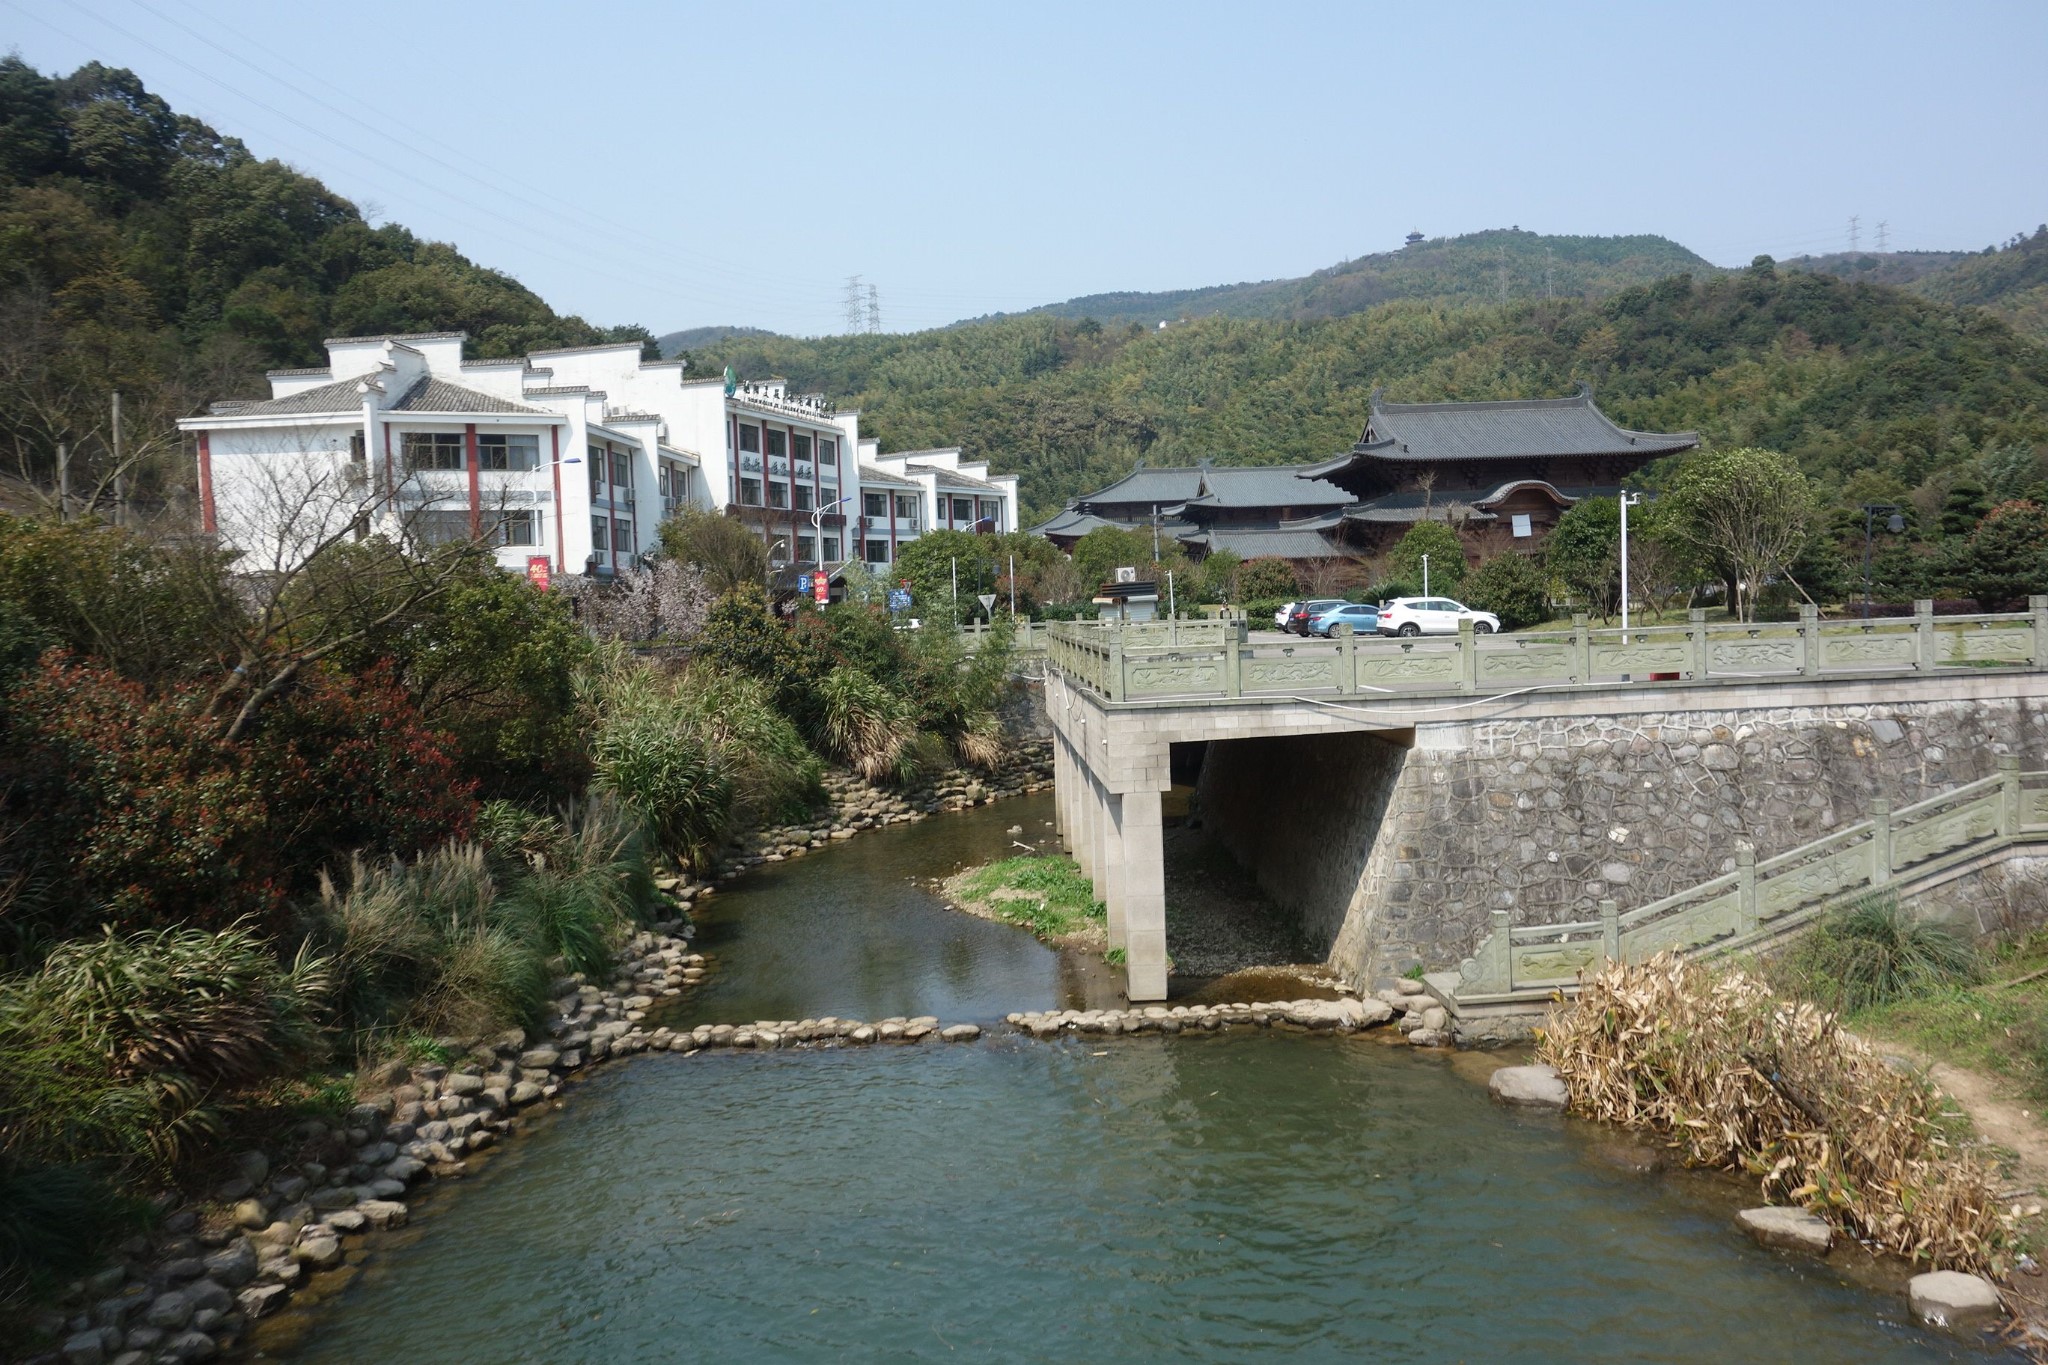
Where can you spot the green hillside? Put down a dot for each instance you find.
(1878, 267)
(2011, 281)
(1482, 267)
(1851, 378)
(142, 251)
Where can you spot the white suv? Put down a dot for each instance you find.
(1433, 616)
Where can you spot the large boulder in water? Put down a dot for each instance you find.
(1951, 1299)
(1790, 1229)
(1539, 1086)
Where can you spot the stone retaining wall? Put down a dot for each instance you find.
(1545, 817)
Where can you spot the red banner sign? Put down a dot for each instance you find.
(537, 571)
(821, 587)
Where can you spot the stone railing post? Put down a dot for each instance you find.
(2038, 605)
(1809, 640)
(1347, 658)
(1745, 888)
(1502, 941)
(1233, 660)
(1696, 636)
(1468, 657)
(1880, 841)
(1610, 931)
(2009, 807)
(1923, 635)
(1582, 650)
(1115, 681)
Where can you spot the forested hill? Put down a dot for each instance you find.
(2011, 281)
(142, 251)
(1481, 267)
(1874, 389)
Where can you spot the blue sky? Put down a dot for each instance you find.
(735, 164)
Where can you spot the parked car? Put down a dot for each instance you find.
(1362, 617)
(1280, 616)
(1305, 612)
(1432, 616)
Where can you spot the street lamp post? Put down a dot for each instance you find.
(1425, 575)
(1893, 523)
(1627, 500)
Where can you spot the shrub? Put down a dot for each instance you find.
(1875, 951)
(670, 778)
(730, 557)
(1735, 1077)
(1512, 588)
(1263, 578)
(861, 724)
(1446, 556)
(55, 1224)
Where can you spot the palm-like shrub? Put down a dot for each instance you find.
(669, 777)
(980, 745)
(862, 724)
(774, 773)
(1875, 951)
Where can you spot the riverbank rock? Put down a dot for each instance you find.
(1789, 1229)
(1538, 1086)
(960, 1033)
(1951, 1299)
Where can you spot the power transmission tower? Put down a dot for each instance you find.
(853, 303)
(1883, 235)
(1855, 233)
(874, 309)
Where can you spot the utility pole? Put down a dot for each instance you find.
(1425, 575)
(1627, 500)
(853, 310)
(63, 482)
(1883, 235)
(1855, 234)
(120, 476)
(1013, 587)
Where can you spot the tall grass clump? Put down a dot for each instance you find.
(648, 762)
(862, 724)
(774, 773)
(1875, 951)
(1735, 1077)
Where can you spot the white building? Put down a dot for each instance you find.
(567, 458)
(908, 493)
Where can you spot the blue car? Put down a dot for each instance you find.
(1362, 617)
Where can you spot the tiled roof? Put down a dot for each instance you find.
(312, 369)
(1262, 543)
(429, 394)
(870, 474)
(344, 395)
(1406, 508)
(1529, 428)
(953, 478)
(1219, 486)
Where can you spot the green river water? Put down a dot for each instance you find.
(1206, 1198)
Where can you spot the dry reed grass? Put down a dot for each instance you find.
(1736, 1077)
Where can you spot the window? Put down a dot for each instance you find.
(803, 497)
(806, 550)
(750, 492)
(600, 534)
(517, 528)
(778, 443)
(778, 493)
(963, 510)
(828, 454)
(622, 471)
(878, 552)
(1521, 525)
(622, 534)
(800, 446)
(750, 439)
(431, 450)
(831, 549)
(595, 456)
(440, 527)
(508, 452)
(906, 509)
(874, 505)
(661, 480)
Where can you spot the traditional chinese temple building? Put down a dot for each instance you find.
(1500, 473)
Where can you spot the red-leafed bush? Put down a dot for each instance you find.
(121, 806)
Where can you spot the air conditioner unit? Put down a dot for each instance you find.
(1127, 574)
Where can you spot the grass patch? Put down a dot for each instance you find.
(1048, 896)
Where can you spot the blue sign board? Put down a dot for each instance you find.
(803, 584)
(899, 599)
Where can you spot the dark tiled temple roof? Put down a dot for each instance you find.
(1217, 486)
(1526, 428)
(1405, 508)
(1262, 542)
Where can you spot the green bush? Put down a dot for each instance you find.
(863, 725)
(1875, 951)
(1259, 579)
(671, 778)
(1511, 587)
(55, 1224)
(1446, 556)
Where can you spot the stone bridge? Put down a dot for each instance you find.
(1398, 797)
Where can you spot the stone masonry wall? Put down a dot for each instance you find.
(1546, 817)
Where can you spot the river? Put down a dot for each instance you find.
(1207, 1198)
